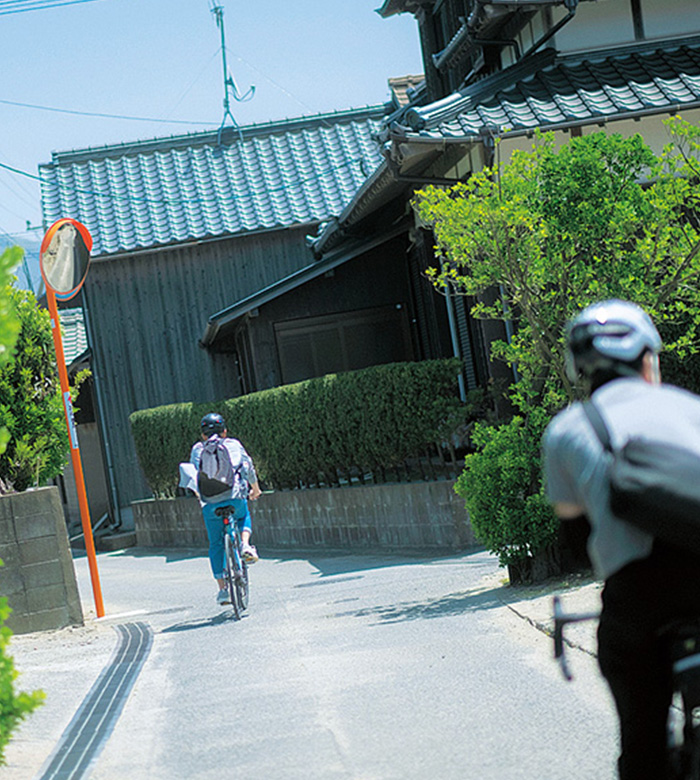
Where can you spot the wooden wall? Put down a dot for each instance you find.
(146, 313)
(378, 278)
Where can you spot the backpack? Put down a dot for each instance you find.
(654, 486)
(217, 474)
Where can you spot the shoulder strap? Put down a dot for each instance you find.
(598, 423)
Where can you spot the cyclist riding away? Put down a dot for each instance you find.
(214, 426)
(613, 350)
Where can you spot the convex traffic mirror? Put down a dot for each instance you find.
(65, 257)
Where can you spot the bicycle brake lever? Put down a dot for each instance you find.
(559, 622)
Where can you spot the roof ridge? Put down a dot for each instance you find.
(461, 100)
(419, 118)
(228, 135)
(638, 47)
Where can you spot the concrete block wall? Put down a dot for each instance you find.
(410, 516)
(171, 522)
(38, 577)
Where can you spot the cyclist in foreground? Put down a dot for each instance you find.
(244, 488)
(613, 350)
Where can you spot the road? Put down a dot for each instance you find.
(348, 667)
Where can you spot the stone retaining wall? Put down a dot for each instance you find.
(38, 577)
(408, 516)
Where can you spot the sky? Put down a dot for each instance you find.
(89, 73)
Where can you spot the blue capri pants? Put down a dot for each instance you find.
(215, 530)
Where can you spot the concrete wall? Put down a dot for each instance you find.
(38, 577)
(414, 516)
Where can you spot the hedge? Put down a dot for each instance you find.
(503, 490)
(369, 419)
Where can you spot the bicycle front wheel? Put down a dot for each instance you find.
(231, 574)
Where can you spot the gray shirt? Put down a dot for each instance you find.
(576, 466)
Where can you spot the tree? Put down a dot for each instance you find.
(554, 230)
(14, 706)
(31, 406)
(9, 323)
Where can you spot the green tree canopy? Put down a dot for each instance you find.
(14, 705)
(31, 407)
(556, 229)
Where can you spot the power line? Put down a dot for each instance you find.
(100, 115)
(20, 6)
(20, 172)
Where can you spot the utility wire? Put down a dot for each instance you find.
(100, 115)
(20, 6)
(19, 172)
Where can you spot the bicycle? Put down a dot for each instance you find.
(235, 568)
(681, 643)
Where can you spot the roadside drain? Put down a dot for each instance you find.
(86, 734)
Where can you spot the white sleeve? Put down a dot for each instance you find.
(196, 453)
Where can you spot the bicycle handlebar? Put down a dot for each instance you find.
(560, 620)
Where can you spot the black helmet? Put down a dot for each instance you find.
(212, 423)
(608, 335)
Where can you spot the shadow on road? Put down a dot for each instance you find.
(190, 625)
(470, 601)
(333, 563)
(171, 554)
(445, 606)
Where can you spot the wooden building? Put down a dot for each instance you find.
(495, 72)
(225, 264)
(203, 284)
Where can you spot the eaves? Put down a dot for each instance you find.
(388, 182)
(441, 140)
(189, 244)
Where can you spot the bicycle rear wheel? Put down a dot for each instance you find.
(242, 585)
(231, 574)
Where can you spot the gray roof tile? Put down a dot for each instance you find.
(73, 334)
(549, 90)
(187, 187)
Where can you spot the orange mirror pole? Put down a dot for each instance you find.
(75, 453)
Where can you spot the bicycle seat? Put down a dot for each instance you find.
(224, 511)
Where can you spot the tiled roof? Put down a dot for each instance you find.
(403, 85)
(391, 7)
(73, 333)
(547, 90)
(190, 187)
(543, 91)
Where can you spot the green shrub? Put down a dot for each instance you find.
(373, 418)
(31, 407)
(14, 706)
(503, 491)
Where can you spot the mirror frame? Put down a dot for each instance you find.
(46, 242)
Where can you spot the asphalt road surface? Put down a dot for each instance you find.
(348, 667)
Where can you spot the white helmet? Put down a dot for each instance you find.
(607, 335)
